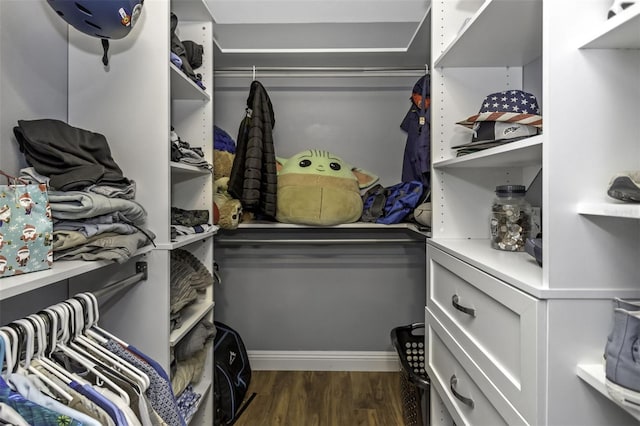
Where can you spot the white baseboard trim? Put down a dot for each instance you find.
(324, 360)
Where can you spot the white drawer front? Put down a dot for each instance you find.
(463, 397)
(496, 324)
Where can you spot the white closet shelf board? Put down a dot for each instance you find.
(516, 268)
(522, 153)
(183, 88)
(620, 32)
(507, 34)
(610, 209)
(355, 225)
(60, 270)
(594, 375)
(191, 10)
(203, 387)
(184, 240)
(184, 171)
(191, 315)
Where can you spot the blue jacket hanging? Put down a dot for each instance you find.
(416, 164)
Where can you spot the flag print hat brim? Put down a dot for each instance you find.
(513, 106)
(510, 117)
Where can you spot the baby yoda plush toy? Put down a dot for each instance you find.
(316, 187)
(228, 209)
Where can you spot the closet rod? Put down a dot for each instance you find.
(324, 241)
(318, 71)
(124, 284)
(324, 68)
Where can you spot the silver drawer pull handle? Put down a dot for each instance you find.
(468, 311)
(463, 399)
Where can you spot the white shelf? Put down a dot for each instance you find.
(610, 209)
(525, 152)
(508, 33)
(190, 315)
(183, 88)
(516, 268)
(356, 225)
(594, 375)
(188, 169)
(60, 270)
(620, 32)
(203, 388)
(519, 269)
(184, 240)
(182, 172)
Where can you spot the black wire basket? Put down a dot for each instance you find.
(409, 342)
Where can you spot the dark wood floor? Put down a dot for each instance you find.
(324, 398)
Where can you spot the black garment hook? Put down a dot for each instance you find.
(105, 49)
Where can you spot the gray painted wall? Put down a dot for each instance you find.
(335, 297)
(357, 118)
(33, 84)
(33, 71)
(309, 297)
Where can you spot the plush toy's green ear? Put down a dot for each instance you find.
(365, 178)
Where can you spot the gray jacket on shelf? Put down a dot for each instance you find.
(71, 157)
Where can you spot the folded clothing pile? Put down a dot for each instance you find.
(188, 278)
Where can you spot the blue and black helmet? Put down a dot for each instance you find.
(110, 19)
(105, 19)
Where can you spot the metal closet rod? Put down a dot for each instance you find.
(323, 241)
(396, 68)
(319, 71)
(109, 291)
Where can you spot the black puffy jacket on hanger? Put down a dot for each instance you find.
(253, 178)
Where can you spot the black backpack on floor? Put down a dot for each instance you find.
(231, 377)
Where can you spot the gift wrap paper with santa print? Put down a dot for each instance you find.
(26, 229)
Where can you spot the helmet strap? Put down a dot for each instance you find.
(105, 49)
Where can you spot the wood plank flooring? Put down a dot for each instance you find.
(324, 398)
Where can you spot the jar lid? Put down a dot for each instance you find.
(504, 190)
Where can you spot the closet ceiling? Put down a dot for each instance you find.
(315, 33)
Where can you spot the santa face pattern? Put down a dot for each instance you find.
(5, 214)
(26, 226)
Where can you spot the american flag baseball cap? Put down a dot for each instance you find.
(513, 106)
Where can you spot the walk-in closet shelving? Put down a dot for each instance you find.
(14, 286)
(183, 87)
(564, 315)
(609, 209)
(184, 179)
(204, 388)
(620, 33)
(474, 22)
(156, 96)
(193, 313)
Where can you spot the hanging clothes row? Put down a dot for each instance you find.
(60, 368)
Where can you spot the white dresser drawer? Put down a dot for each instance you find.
(464, 398)
(498, 326)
